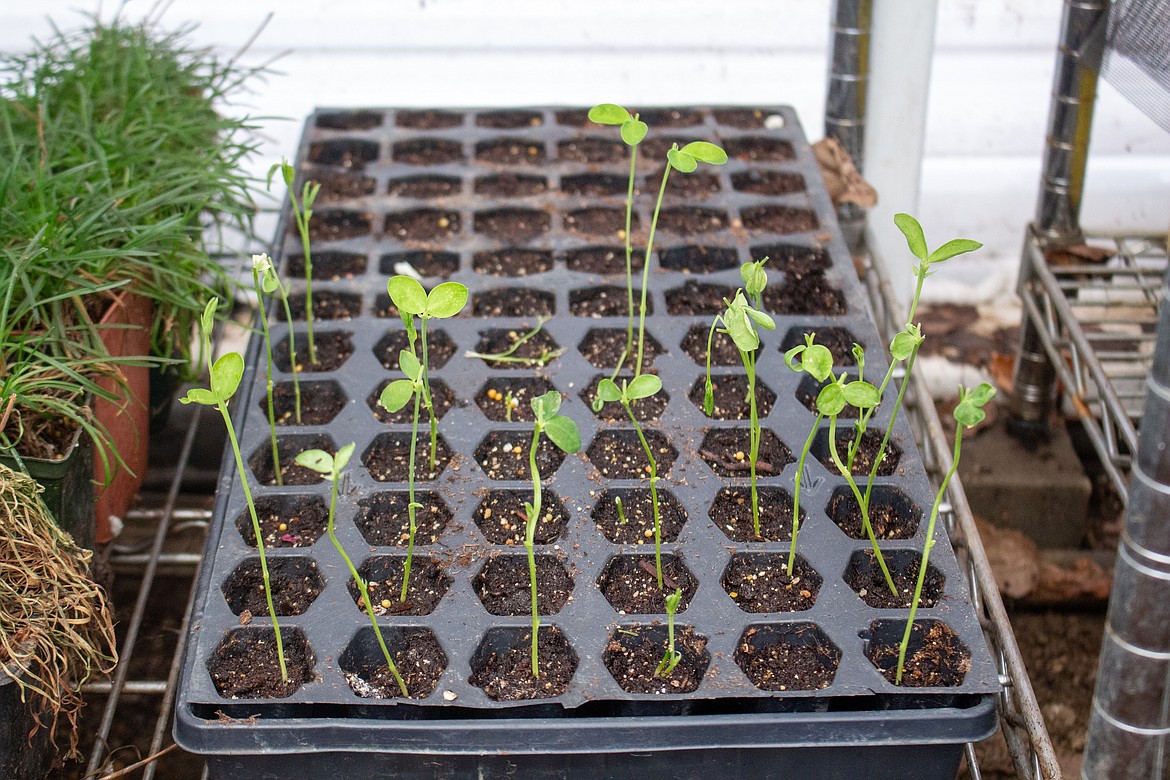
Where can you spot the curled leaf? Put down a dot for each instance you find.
(681, 161)
(633, 131)
(608, 114)
(913, 233)
(546, 406)
(707, 152)
(342, 457)
(817, 361)
(199, 395)
(319, 461)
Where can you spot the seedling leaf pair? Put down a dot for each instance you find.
(688, 158)
(633, 130)
(325, 464)
(445, 300)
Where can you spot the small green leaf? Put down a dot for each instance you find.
(319, 461)
(982, 394)
(546, 406)
(791, 355)
(529, 511)
(633, 131)
(831, 400)
(608, 114)
(564, 433)
(704, 151)
(226, 375)
(913, 233)
(269, 283)
(607, 391)
(408, 295)
(739, 327)
(755, 278)
(681, 162)
(958, 246)
(199, 395)
(817, 361)
(446, 300)
(902, 346)
(342, 457)
(207, 320)
(643, 386)
(861, 394)
(409, 364)
(396, 395)
(968, 415)
(761, 319)
(709, 398)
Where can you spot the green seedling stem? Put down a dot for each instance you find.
(812, 434)
(330, 466)
(672, 657)
(302, 213)
(395, 396)
(226, 374)
(261, 266)
(507, 357)
(617, 501)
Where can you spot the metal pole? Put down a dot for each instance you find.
(1129, 724)
(845, 104)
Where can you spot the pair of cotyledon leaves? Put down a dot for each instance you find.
(445, 300)
(641, 386)
(969, 412)
(633, 130)
(916, 240)
(322, 462)
(226, 372)
(817, 361)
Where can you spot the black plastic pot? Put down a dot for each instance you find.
(768, 200)
(26, 750)
(68, 485)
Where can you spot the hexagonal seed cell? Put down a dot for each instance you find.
(502, 664)
(731, 512)
(383, 577)
(671, 117)
(423, 187)
(245, 665)
(320, 403)
(504, 585)
(287, 449)
(692, 220)
(416, 653)
(344, 152)
(328, 266)
(864, 576)
(754, 148)
(839, 341)
(428, 119)
(388, 457)
(767, 182)
(427, 151)
(349, 120)
(512, 261)
(603, 300)
(509, 120)
(383, 519)
(697, 259)
(742, 118)
(634, 652)
(600, 221)
(792, 257)
(424, 262)
(602, 260)
(575, 117)
(513, 302)
(723, 349)
(871, 442)
(594, 185)
(327, 305)
(503, 455)
(422, 224)
(519, 349)
(779, 219)
(619, 454)
(512, 225)
(695, 298)
(656, 146)
(440, 349)
(787, 656)
(510, 185)
(334, 347)
(809, 388)
(593, 149)
(603, 347)
(759, 582)
(728, 452)
(805, 292)
(338, 225)
(510, 151)
(891, 513)
(442, 396)
(340, 187)
(692, 187)
(295, 584)
(285, 521)
(509, 399)
(645, 409)
(638, 511)
(935, 657)
(630, 584)
(731, 397)
(502, 519)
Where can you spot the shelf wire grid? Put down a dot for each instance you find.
(1096, 322)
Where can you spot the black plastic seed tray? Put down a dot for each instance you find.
(524, 207)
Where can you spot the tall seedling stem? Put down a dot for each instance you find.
(817, 361)
(393, 398)
(302, 213)
(261, 273)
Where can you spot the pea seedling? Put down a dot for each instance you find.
(755, 279)
(968, 414)
(672, 656)
(331, 466)
(395, 396)
(642, 386)
(302, 213)
(817, 361)
(740, 321)
(262, 277)
(226, 374)
(561, 431)
(545, 357)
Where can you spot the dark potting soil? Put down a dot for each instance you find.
(865, 577)
(759, 149)
(871, 442)
(539, 347)
(671, 117)
(888, 520)
(423, 187)
(839, 341)
(246, 665)
(327, 266)
(422, 224)
(320, 403)
(767, 182)
(601, 221)
(504, 455)
(295, 584)
(618, 454)
(603, 260)
(644, 409)
(502, 519)
(423, 261)
(603, 347)
(389, 457)
(285, 521)
(804, 293)
(389, 348)
(505, 588)
(657, 145)
(608, 300)
(500, 394)
(513, 302)
(509, 120)
(427, 151)
(420, 661)
(350, 120)
(723, 349)
(791, 257)
(505, 673)
(732, 513)
(512, 225)
(936, 656)
(428, 119)
(693, 259)
(728, 452)
(638, 508)
(351, 153)
(697, 298)
(384, 520)
(576, 117)
(510, 151)
(287, 448)
(630, 584)
(779, 219)
(595, 185)
(691, 220)
(695, 185)
(634, 653)
(592, 149)
(774, 662)
(510, 185)
(336, 187)
(513, 262)
(731, 399)
(333, 347)
(338, 225)
(743, 118)
(383, 576)
(327, 305)
(759, 582)
(441, 396)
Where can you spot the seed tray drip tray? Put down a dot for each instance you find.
(526, 207)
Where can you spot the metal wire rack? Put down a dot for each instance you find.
(1096, 323)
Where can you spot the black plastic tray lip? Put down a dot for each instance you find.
(854, 320)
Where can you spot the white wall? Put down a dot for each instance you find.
(988, 96)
